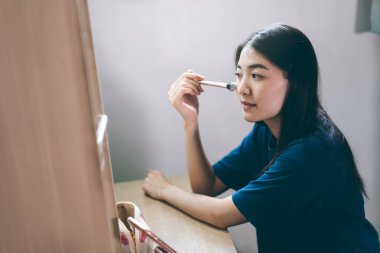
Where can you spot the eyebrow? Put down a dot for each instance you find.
(254, 66)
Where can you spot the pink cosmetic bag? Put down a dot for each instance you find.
(135, 234)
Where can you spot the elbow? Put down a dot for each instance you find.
(198, 190)
(222, 226)
(218, 220)
(195, 189)
(205, 188)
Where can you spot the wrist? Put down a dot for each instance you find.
(165, 193)
(191, 127)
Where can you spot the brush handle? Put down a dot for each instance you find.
(230, 86)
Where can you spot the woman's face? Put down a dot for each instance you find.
(261, 87)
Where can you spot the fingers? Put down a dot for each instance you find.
(155, 176)
(191, 75)
(151, 176)
(155, 184)
(153, 172)
(188, 79)
(176, 98)
(187, 84)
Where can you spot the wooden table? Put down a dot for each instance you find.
(182, 232)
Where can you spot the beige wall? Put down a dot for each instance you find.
(142, 46)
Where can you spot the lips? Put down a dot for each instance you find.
(247, 105)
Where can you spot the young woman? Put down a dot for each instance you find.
(294, 174)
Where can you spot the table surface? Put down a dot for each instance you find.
(182, 232)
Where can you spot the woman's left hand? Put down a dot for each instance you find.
(155, 184)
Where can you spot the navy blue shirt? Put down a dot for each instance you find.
(306, 201)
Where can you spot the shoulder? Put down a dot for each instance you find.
(325, 137)
(307, 147)
(318, 149)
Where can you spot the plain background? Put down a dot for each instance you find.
(142, 46)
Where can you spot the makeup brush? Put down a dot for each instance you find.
(230, 86)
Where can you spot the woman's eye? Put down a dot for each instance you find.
(257, 76)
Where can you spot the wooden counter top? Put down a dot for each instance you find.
(182, 232)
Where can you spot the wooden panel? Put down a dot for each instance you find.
(97, 109)
(51, 189)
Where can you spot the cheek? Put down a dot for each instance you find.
(274, 98)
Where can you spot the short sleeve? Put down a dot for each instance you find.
(277, 199)
(241, 165)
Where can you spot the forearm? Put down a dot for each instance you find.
(221, 213)
(201, 175)
(200, 207)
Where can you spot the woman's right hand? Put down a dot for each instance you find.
(183, 96)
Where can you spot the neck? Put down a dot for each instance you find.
(274, 126)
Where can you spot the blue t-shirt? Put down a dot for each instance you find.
(307, 200)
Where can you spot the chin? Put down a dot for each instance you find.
(249, 118)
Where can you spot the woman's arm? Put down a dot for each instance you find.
(201, 174)
(183, 96)
(220, 213)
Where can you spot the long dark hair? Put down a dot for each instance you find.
(291, 51)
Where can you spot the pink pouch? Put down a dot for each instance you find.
(132, 240)
(135, 234)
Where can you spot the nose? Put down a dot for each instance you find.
(242, 87)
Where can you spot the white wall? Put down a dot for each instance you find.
(143, 46)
